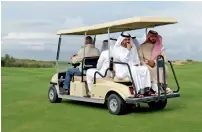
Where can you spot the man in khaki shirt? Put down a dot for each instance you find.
(148, 52)
(90, 51)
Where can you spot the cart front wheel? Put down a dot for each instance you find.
(53, 96)
(116, 105)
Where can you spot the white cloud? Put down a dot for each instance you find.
(28, 35)
(36, 43)
(31, 22)
(36, 47)
(73, 22)
(27, 40)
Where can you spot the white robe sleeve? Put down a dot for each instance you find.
(100, 61)
(122, 55)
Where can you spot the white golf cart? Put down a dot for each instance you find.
(118, 95)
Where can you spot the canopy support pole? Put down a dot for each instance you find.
(146, 31)
(94, 40)
(82, 74)
(84, 43)
(58, 53)
(109, 42)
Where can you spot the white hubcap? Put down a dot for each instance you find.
(113, 104)
(51, 94)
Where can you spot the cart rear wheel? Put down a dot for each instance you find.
(161, 104)
(116, 105)
(53, 96)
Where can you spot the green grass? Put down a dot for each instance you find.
(25, 107)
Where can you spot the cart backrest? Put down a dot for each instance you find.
(89, 62)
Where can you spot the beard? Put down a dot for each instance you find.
(153, 41)
(124, 44)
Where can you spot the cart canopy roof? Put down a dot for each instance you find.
(120, 25)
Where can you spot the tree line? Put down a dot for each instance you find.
(9, 61)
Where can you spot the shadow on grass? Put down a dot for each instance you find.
(148, 110)
(86, 104)
(144, 108)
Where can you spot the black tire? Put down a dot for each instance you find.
(53, 96)
(121, 105)
(161, 104)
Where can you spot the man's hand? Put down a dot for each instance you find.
(151, 63)
(72, 56)
(129, 46)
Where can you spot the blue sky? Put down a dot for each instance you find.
(29, 28)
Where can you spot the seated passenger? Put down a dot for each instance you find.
(126, 52)
(90, 51)
(148, 52)
(102, 64)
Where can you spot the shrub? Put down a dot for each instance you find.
(8, 61)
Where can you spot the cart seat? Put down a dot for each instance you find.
(78, 78)
(121, 80)
(115, 79)
(99, 80)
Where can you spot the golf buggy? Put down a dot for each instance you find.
(118, 95)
